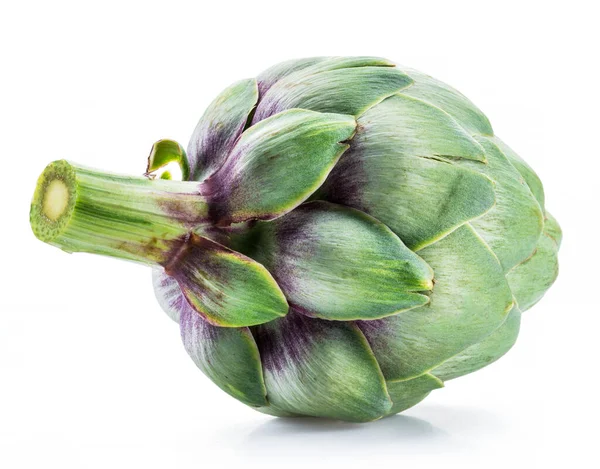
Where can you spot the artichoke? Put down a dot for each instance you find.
(348, 235)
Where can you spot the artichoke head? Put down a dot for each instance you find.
(347, 235)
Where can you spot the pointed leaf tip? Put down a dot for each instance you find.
(227, 288)
(410, 344)
(405, 394)
(297, 146)
(337, 263)
(395, 171)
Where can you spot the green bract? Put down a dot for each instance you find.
(349, 234)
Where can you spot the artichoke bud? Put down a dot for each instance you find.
(341, 236)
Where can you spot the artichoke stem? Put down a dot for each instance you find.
(83, 210)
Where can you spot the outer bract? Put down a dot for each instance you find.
(349, 235)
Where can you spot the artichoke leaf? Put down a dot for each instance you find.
(399, 170)
(219, 127)
(228, 356)
(410, 344)
(227, 288)
(482, 353)
(281, 70)
(320, 368)
(512, 227)
(337, 263)
(448, 99)
(164, 152)
(276, 165)
(527, 173)
(530, 279)
(552, 229)
(405, 394)
(338, 63)
(343, 91)
(311, 65)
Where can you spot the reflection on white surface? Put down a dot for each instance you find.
(430, 429)
(391, 428)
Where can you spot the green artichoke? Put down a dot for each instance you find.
(348, 235)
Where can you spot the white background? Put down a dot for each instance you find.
(92, 372)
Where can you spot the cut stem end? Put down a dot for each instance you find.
(53, 200)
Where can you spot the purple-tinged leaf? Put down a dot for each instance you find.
(337, 263)
(276, 165)
(219, 128)
(321, 368)
(227, 355)
(227, 288)
(343, 91)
